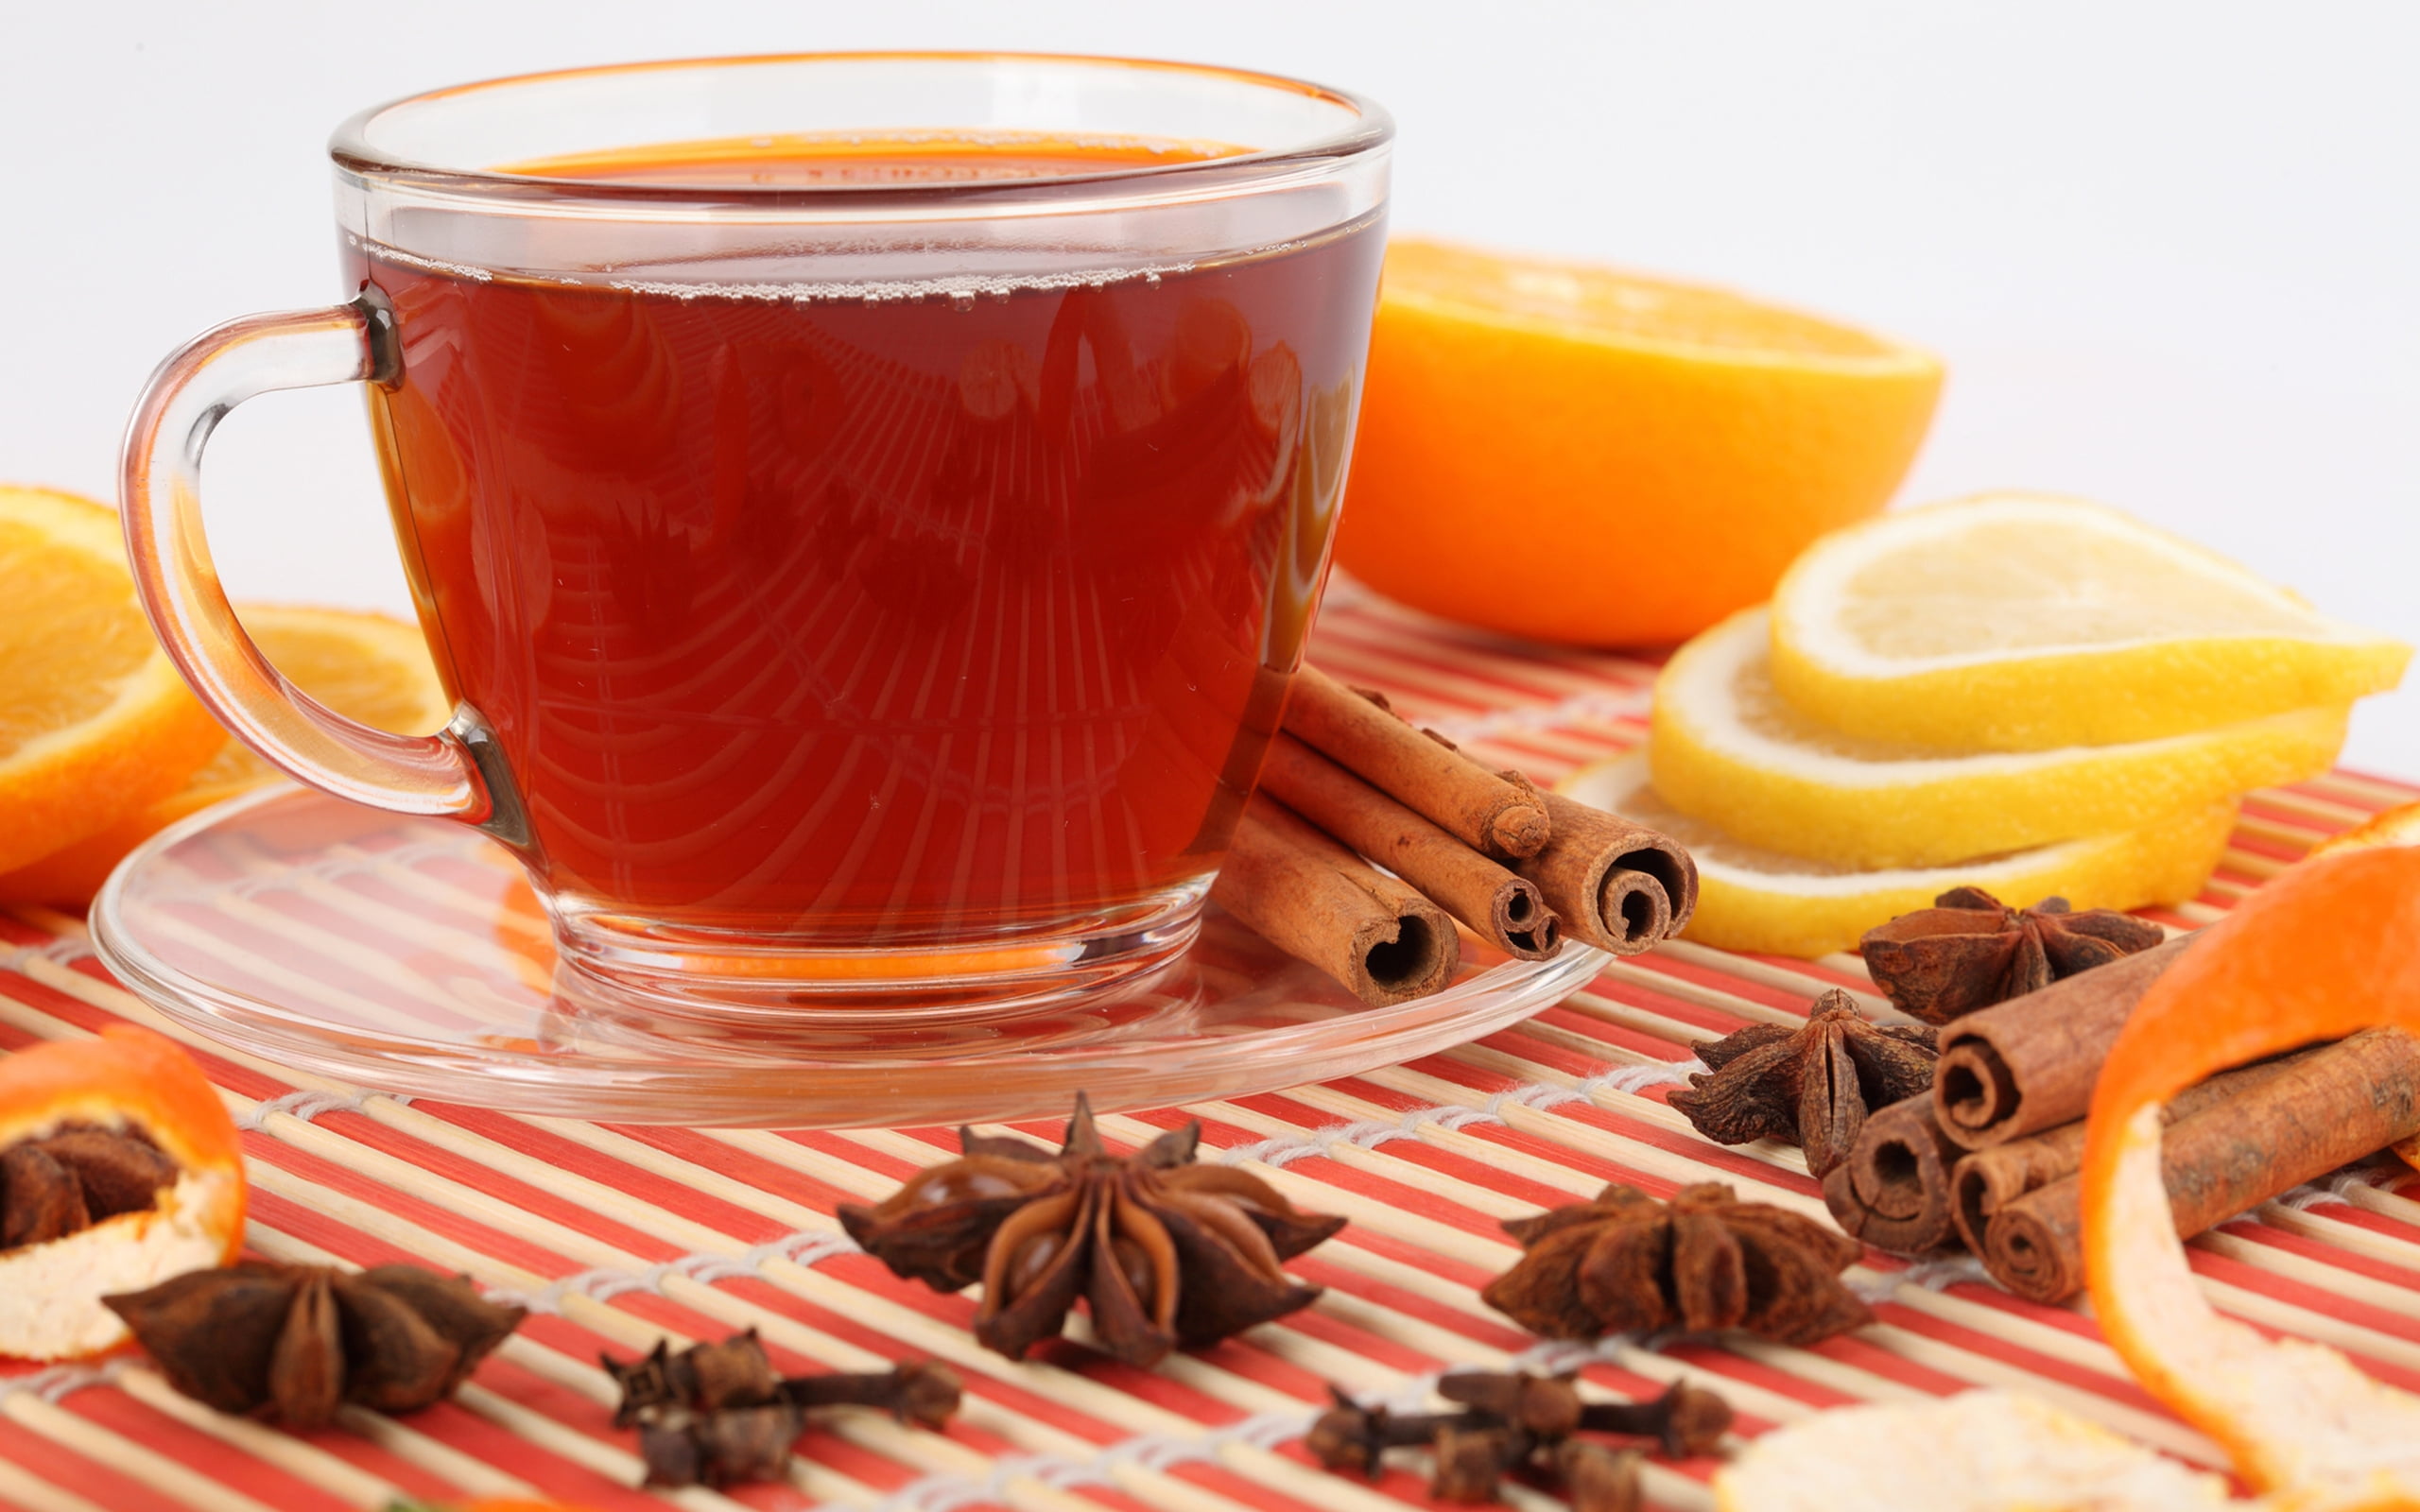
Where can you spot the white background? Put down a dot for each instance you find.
(2171, 252)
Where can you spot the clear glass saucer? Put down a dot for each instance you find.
(410, 956)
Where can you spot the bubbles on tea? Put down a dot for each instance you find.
(964, 291)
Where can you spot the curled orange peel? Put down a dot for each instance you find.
(2329, 948)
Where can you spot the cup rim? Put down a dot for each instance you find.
(1371, 128)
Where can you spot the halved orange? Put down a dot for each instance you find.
(1575, 454)
(366, 666)
(95, 723)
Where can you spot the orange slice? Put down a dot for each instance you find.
(95, 723)
(2330, 947)
(1576, 454)
(366, 666)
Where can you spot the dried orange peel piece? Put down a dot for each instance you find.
(127, 1080)
(2329, 948)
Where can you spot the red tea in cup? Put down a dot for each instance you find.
(871, 618)
(866, 560)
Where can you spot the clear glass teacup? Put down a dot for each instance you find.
(866, 508)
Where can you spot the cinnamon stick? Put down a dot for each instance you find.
(1494, 812)
(1618, 886)
(2315, 1112)
(1505, 910)
(1987, 1180)
(2028, 1064)
(1894, 1191)
(1318, 902)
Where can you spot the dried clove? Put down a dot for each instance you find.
(726, 1447)
(1349, 1436)
(1469, 1460)
(1546, 1406)
(1686, 1421)
(1596, 1479)
(923, 1392)
(718, 1414)
(1514, 1421)
(702, 1378)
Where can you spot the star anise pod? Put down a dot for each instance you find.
(300, 1341)
(1970, 951)
(1810, 1087)
(1626, 1263)
(1161, 1251)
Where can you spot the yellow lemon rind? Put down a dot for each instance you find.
(1893, 808)
(1817, 912)
(2080, 694)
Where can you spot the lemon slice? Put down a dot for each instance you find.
(1978, 1451)
(95, 723)
(2016, 621)
(1751, 899)
(1728, 749)
(366, 666)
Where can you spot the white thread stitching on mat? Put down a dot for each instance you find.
(63, 951)
(2312, 1196)
(308, 1106)
(807, 1246)
(66, 1380)
(1605, 708)
(1371, 1133)
(1932, 1275)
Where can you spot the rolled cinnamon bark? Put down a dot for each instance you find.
(2028, 1064)
(2316, 1113)
(1893, 1189)
(1505, 910)
(1618, 886)
(1987, 1180)
(1494, 812)
(1318, 902)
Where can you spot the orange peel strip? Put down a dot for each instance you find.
(2331, 946)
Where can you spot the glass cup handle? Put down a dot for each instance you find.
(456, 773)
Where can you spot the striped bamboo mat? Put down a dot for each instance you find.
(617, 1236)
